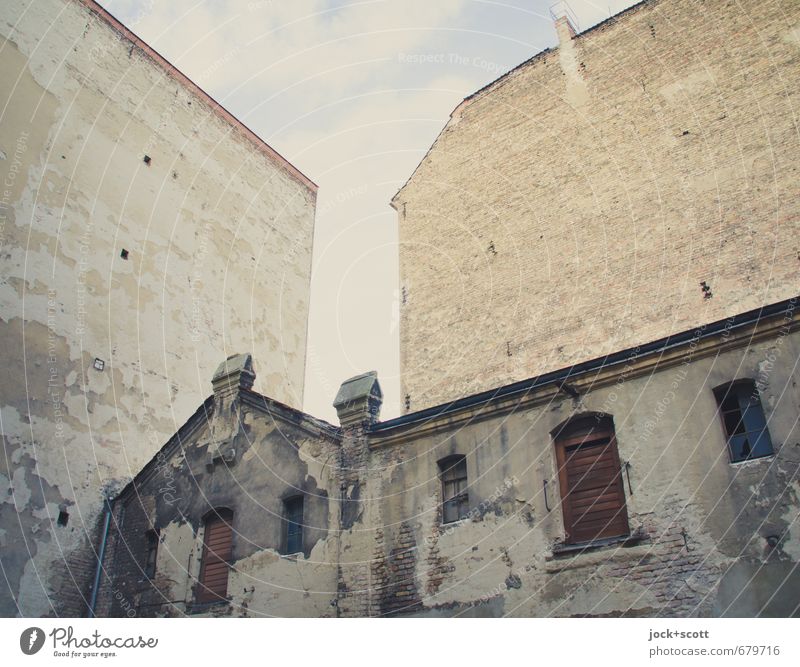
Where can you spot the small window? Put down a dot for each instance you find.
(455, 499)
(151, 537)
(293, 525)
(743, 421)
(217, 551)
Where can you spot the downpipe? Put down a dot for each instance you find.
(100, 555)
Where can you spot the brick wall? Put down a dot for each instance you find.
(640, 180)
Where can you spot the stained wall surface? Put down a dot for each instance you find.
(217, 230)
(637, 180)
(710, 537)
(706, 536)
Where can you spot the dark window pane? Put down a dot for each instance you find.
(743, 420)
(454, 489)
(762, 445)
(450, 511)
(740, 447)
(152, 551)
(293, 518)
(753, 417)
(733, 422)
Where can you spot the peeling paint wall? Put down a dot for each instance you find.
(218, 234)
(704, 522)
(279, 453)
(707, 537)
(574, 207)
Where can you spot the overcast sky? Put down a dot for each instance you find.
(337, 87)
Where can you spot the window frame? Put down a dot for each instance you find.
(204, 593)
(451, 474)
(288, 521)
(744, 392)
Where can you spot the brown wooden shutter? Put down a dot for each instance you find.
(590, 477)
(214, 568)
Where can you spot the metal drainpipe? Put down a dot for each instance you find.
(100, 556)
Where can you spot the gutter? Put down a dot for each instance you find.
(560, 376)
(100, 555)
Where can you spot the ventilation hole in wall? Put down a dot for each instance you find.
(492, 248)
(706, 290)
(63, 518)
(98, 364)
(684, 133)
(147, 159)
(408, 401)
(405, 295)
(124, 254)
(508, 348)
(653, 30)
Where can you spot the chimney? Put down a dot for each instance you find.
(565, 22)
(358, 402)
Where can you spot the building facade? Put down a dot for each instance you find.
(139, 221)
(663, 480)
(600, 364)
(635, 181)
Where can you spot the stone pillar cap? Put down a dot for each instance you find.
(359, 399)
(236, 371)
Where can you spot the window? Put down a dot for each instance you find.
(293, 525)
(215, 563)
(455, 500)
(590, 480)
(743, 421)
(151, 537)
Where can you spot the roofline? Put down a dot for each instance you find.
(204, 412)
(700, 332)
(221, 112)
(611, 19)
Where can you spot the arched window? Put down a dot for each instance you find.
(455, 499)
(743, 420)
(217, 551)
(590, 480)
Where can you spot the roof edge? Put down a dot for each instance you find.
(700, 332)
(221, 112)
(484, 89)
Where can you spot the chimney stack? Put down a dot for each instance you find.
(565, 22)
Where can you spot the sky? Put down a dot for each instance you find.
(352, 92)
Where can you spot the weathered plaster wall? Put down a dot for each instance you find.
(706, 520)
(574, 207)
(218, 230)
(279, 453)
(701, 527)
